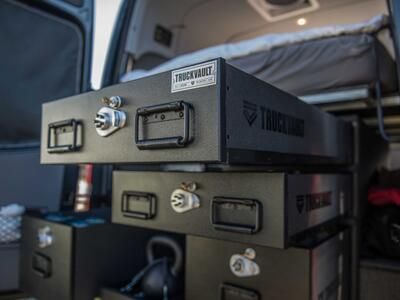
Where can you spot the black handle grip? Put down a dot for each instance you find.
(52, 127)
(229, 292)
(167, 142)
(129, 209)
(218, 202)
(42, 265)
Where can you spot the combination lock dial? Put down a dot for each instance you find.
(45, 237)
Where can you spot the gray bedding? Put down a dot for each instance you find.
(322, 65)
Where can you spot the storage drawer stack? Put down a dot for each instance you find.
(255, 178)
(66, 256)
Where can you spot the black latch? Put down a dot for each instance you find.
(231, 292)
(41, 264)
(138, 205)
(236, 215)
(64, 136)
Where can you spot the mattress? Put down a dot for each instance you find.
(323, 65)
(318, 66)
(304, 63)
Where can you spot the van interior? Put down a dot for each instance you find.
(342, 56)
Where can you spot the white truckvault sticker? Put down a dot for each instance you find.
(194, 77)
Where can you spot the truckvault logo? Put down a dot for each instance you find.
(272, 120)
(309, 202)
(192, 77)
(249, 112)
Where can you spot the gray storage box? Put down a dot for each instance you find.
(206, 113)
(260, 208)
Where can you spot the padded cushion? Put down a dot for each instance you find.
(325, 64)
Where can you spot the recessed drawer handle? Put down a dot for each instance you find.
(231, 292)
(138, 205)
(236, 215)
(41, 264)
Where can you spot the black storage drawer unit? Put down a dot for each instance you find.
(379, 279)
(206, 113)
(220, 270)
(259, 208)
(68, 258)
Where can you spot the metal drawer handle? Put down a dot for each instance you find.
(234, 204)
(166, 142)
(52, 132)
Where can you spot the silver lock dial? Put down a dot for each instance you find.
(109, 120)
(45, 237)
(183, 200)
(243, 265)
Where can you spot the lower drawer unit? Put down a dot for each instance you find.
(265, 209)
(220, 270)
(379, 279)
(70, 257)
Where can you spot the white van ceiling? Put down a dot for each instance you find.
(196, 24)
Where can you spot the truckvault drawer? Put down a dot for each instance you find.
(259, 208)
(220, 270)
(222, 116)
(70, 258)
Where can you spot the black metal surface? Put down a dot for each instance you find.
(80, 260)
(240, 120)
(379, 280)
(291, 274)
(287, 204)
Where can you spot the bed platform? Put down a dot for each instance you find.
(326, 70)
(333, 64)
